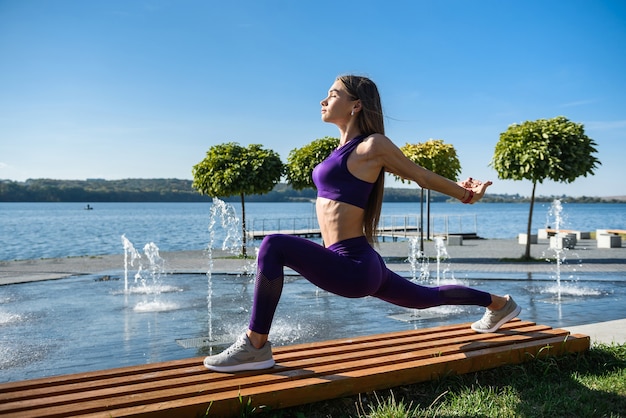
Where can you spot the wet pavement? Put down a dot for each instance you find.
(476, 255)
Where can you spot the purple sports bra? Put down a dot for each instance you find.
(335, 182)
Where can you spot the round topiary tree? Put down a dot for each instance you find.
(555, 149)
(230, 169)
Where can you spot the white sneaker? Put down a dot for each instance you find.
(240, 356)
(492, 320)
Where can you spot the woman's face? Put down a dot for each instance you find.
(338, 105)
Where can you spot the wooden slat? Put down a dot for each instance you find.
(304, 373)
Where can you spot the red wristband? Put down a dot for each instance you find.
(469, 198)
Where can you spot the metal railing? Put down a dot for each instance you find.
(296, 226)
(399, 226)
(453, 224)
(390, 225)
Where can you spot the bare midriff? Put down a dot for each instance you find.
(338, 221)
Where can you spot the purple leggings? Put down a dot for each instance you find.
(350, 268)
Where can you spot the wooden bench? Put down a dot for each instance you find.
(304, 373)
(561, 231)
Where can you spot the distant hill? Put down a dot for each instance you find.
(615, 198)
(176, 190)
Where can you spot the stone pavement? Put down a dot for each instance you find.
(484, 255)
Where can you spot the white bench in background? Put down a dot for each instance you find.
(563, 240)
(608, 239)
(523, 238)
(455, 240)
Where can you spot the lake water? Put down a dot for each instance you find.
(52, 230)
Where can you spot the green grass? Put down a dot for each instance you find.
(591, 384)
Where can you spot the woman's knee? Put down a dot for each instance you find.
(278, 250)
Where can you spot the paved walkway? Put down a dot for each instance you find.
(484, 255)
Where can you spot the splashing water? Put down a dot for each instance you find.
(154, 306)
(570, 290)
(420, 265)
(557, 217)
(418, 260)
(229, 222)
(224, 223)
(151, 283)
(442, 254)
(133, 254)
(8, 317)
(556, 210)
(148, 278)
(420, 269)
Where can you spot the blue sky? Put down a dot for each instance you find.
(141, 89)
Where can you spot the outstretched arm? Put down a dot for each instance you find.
(391, 158)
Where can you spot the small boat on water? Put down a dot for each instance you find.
(88, 207)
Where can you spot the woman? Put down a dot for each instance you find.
(349, 199)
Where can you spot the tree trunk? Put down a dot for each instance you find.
(428, 214)
(530, 221)
(428, 236)
(422, 220)
(244, 235)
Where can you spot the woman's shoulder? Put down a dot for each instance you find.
(377, 143)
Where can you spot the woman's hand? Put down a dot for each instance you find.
(476, 186)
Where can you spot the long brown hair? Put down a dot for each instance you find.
(370, 121)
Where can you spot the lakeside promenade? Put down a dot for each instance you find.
(479, 255)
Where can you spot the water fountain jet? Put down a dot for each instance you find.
(418, 260)
(133, 254)
(561, 244)
(221, 215)
(148, 278)
(420, 264)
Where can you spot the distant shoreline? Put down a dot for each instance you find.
(180, 191)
